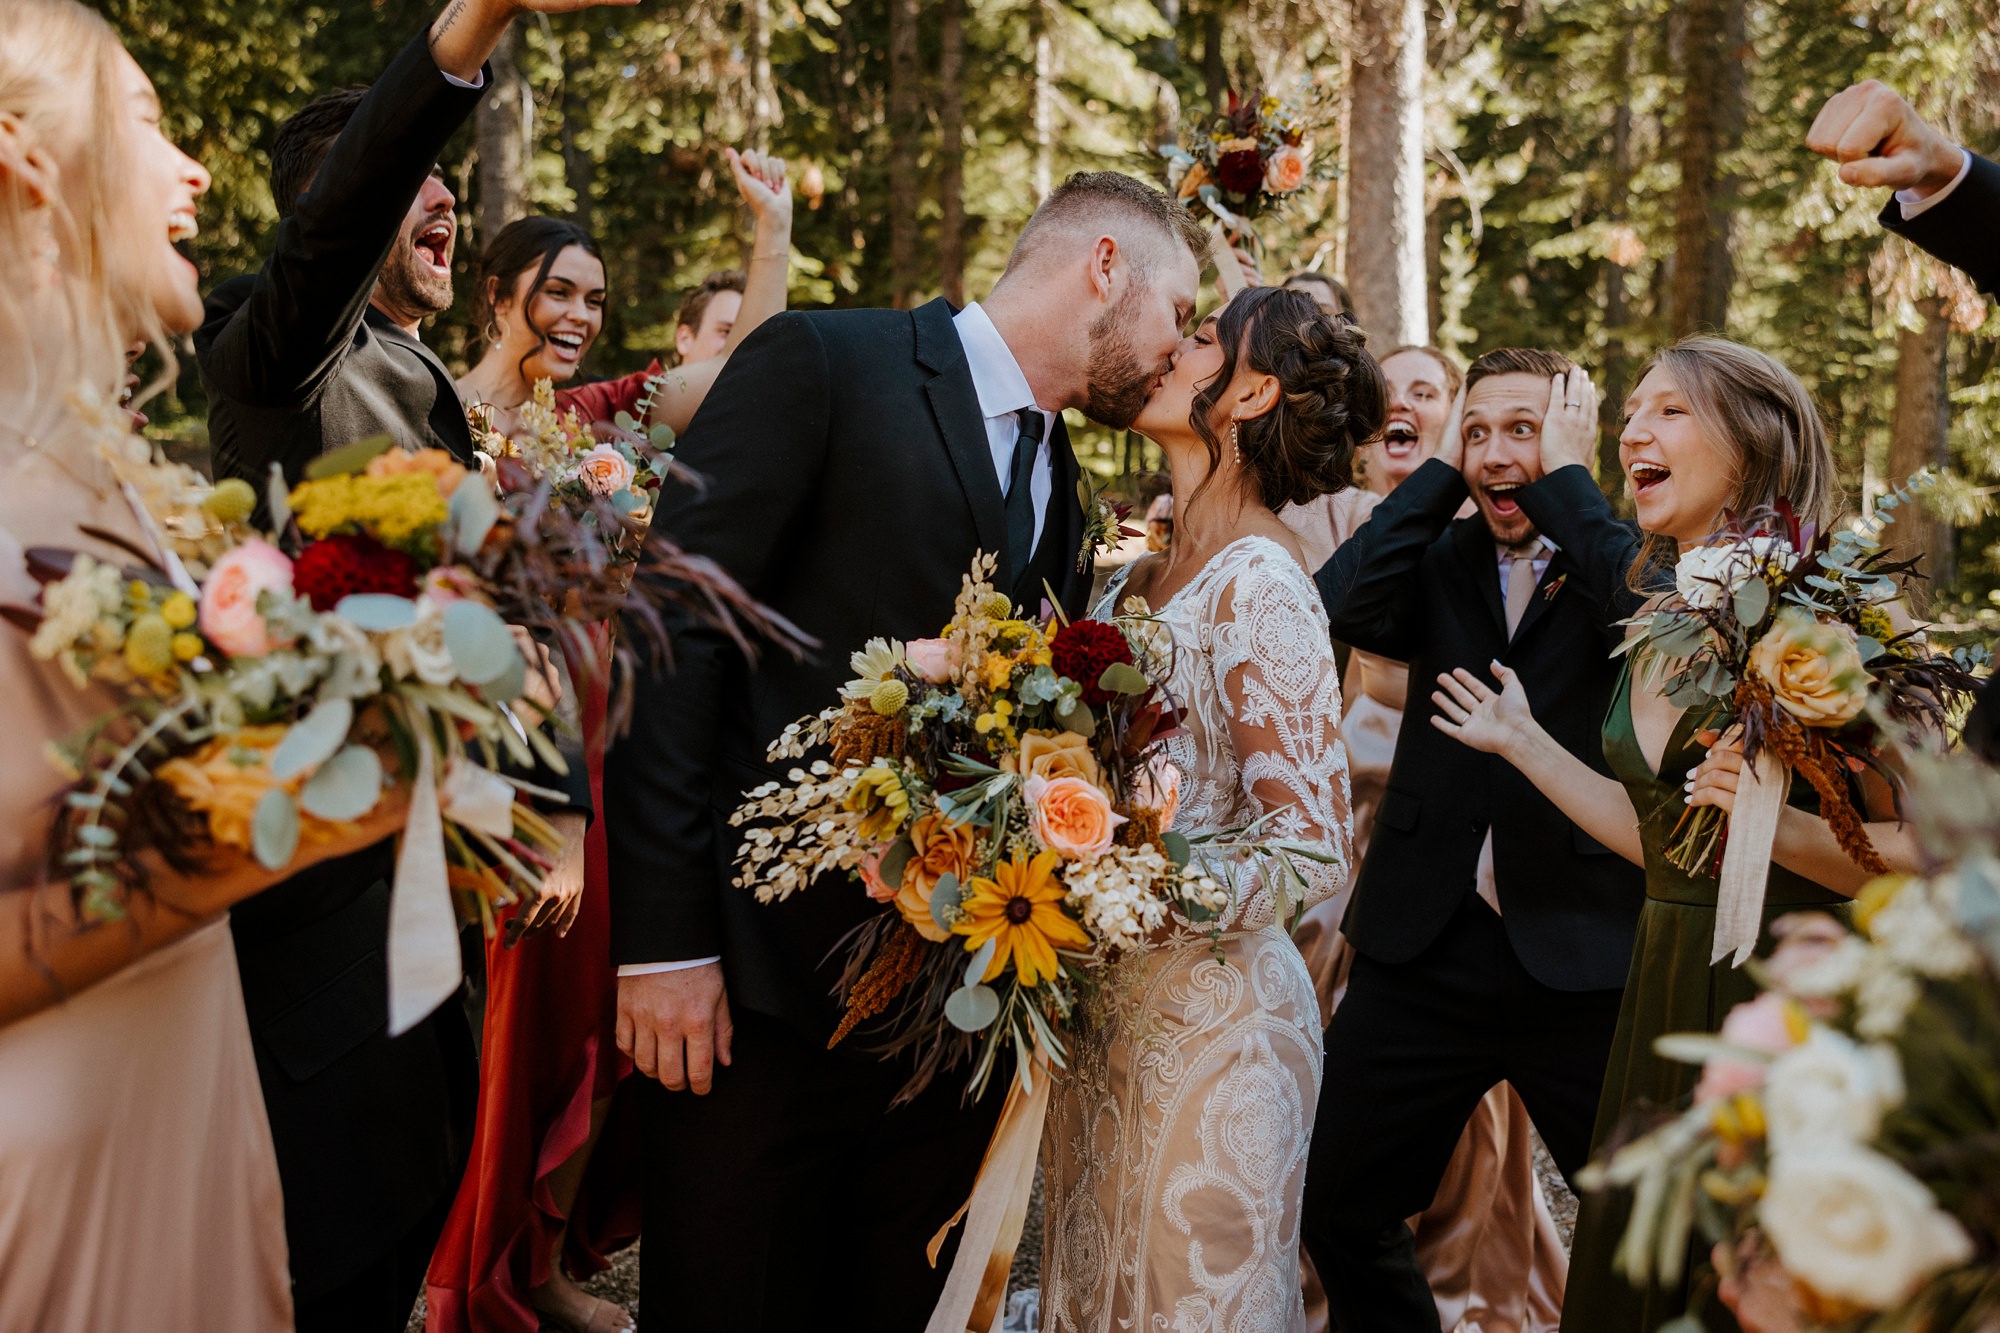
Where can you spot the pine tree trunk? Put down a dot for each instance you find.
(1712, 113)
(504, 123)
(905, 127)
(1617, 307)
(763, 89)
(1918, 439)
(1214, 77)
(1045, 100)
(951, 150)
(1385, 224)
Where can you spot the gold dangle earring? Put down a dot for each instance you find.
(1236, 440)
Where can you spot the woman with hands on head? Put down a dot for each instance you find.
(542, 293)
(1712, 427)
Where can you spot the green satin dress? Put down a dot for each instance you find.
(1671, 988)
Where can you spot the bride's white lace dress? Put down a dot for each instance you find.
(1175, 1148)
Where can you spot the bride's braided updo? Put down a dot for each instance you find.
(1332, 398)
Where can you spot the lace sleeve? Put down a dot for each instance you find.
(1279, 686)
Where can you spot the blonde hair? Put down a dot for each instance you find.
(1763, 415)
(60, 89)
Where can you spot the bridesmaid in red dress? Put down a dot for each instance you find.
(552, 1186)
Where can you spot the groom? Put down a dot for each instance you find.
(855, 461)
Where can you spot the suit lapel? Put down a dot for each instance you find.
(1476, 552)
(955, 404)
(1064, 523)
(1546, 593)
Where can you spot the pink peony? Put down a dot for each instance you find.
(229, 616)
(1072, 818)
(1767, 1023)
(934, 660)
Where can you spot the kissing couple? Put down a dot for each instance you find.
(853, 463)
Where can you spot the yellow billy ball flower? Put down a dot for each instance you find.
(998, 606)
(889, 698)
(149, 646)
(187, 647)
(232, 501)
(179, 610)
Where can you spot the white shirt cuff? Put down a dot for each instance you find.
(457, 82)
(648, 969)
(1914, 204)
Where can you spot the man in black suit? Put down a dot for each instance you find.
(855, 462)
(1947, 200)
(318, 350)
(1491, 935)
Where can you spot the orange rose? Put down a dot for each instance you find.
(1814, 670)
(1054, 755)
(1285, 171)
(438, 465)
(1071, 817)
(943, 847)
(225, 779)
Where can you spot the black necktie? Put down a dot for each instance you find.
(1020, 498)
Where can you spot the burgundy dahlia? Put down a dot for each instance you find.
(1240, 172)
(1082, 649)
(344, 564)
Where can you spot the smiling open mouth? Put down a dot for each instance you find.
(433, 246)
(1501, 495)
(1399, 439)
(1645, 476)
(568, 342)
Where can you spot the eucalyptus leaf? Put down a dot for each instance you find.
(346, 786)
(96, 835)
(274, 830)
(472, 515)
(625, 502)
(348, 458)
(975, 971)
(1686, 692)
(625, 421)
(377, 612)
(945, 897)
(509, 684)
(478, 640)
(972, 1008)
(661, 437)
(313, 739)
(1123, 678)
(1079, 719)
(1178, 850)
(1869, 646)
(1753, 600)
(895, 859)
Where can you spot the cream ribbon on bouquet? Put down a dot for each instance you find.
(424, 963)
(996, 1213)
(1746, 858)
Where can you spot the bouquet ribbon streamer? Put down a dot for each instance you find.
(997, 1211)
(424, 963)
(1746, 859)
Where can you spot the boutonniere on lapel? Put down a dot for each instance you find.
(1555, 586)
(1103, 521)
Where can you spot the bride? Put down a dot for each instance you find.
(1175, 1148)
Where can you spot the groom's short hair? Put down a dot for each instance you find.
(1098, 199)
(304, 141)
(1517, 361)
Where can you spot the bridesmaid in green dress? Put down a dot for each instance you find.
(1712, 426)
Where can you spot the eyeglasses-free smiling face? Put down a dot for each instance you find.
(1502, 426)
(1418, 408)
(565, 315)
(165, 184)
(1682, 478)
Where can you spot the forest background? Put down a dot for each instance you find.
(1593, 176)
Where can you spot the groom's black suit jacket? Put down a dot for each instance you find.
(370, 1131)
(1414, 585)
(849, 483)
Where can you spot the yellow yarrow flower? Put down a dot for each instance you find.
(1021, 907)
(392, 509)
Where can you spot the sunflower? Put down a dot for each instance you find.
(1021, 907)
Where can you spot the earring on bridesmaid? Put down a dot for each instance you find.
(1236, 440)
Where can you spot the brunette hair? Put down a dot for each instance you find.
(1331, 395)
(1517, 361)
(1453, 375)
(1759, 411)
(523, 244)
(1095, 198)
(694, 306)
(303, 142)
(1328, 281)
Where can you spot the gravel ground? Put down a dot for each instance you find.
(619, 1283)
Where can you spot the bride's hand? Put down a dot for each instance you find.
(1471, 711)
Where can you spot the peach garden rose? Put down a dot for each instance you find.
(942, 847)
(1071, 817)
(934, 660)
(606, 471)
(1814, 669)
(1058, 755)
(229, 617)
(1285, 170)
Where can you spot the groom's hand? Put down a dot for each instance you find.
(465, 34)
(675, 1025)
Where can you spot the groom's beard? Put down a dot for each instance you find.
(1116, 385)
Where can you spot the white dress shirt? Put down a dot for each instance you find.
(1003, 390)
(1915, 205)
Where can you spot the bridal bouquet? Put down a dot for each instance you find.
(1251, 156)
(1784, 632)
(624, 468)
(1844, 1142)
(996, 789)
